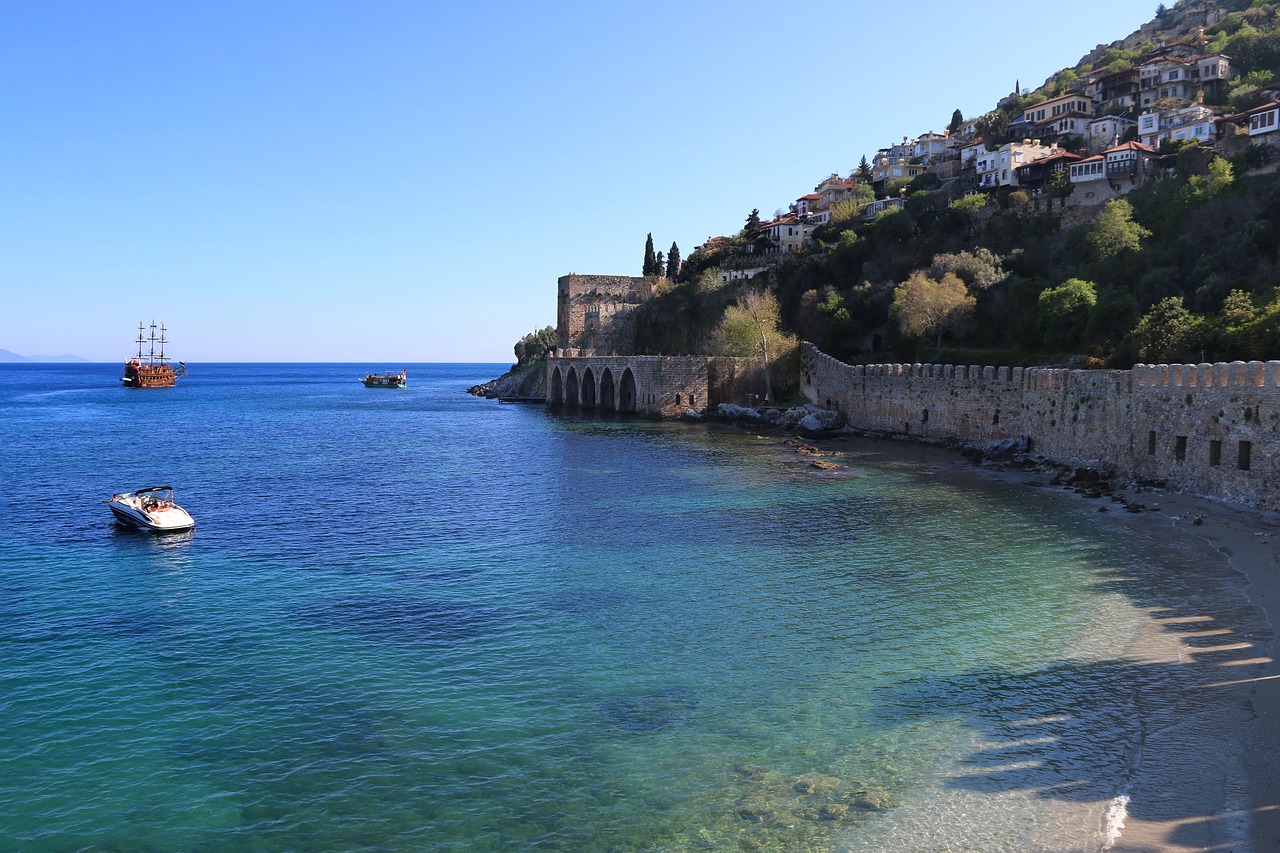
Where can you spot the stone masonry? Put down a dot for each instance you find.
(595, 313)
(1209, 429)
(656, 386)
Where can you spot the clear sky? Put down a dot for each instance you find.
(396, 181)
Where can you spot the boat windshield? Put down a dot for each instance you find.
(159, 493)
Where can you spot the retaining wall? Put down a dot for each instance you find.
(1209, 429)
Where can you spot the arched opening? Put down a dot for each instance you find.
(608, 395)
(627, 393)
(587, 392)
(557, 388)
(571, 387)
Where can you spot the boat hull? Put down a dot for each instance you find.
(386, 380)
(173, 519)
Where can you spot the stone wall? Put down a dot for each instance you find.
(595, 313)
(1209, 429)
(656, 386)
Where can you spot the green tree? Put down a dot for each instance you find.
(969, 208)
(534, 346)
(957, 119)
(749, 329)
(1168, 333)
(1059, 185)
(1064, 312)
(978, 270)
(1115, 231)
(926, 307)
(673, 261)
(864, 170)
(650, 259)
(993, 126)
(753, 223)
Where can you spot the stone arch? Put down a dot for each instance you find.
(571, 387)
(608, 394)
(557, 388)
(587, 391)
(627, 392)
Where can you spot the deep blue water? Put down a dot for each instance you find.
(419, 620)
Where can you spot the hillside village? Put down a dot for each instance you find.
(1083, 147)
(1126, 211)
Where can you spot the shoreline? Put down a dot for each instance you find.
(1207, 775)
(1218, 789)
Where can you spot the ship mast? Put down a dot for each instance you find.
(163, 341)
(151, 354)
(140, 340)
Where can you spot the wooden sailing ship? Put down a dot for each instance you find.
(151, 369)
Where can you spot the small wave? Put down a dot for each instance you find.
(1113, 821)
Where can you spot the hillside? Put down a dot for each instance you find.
(1173, 259)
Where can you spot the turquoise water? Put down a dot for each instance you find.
(418, 620)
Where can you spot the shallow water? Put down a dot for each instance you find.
(413, 619)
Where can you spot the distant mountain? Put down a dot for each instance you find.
(7, 357)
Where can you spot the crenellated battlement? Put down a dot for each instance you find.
(1222, 374)
(1212, 429)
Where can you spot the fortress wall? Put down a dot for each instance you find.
(662, 386)
(1211, 429)
(595, 313)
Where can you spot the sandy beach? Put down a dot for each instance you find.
(1209, 773)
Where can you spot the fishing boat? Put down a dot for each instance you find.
(151, 369)
(385, 380)
(152, 508)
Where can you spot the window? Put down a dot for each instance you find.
(1151, 443)
(1242, 457)
(1215, 453)
(1180, 448)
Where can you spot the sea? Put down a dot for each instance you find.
(417, 620)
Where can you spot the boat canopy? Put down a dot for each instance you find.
(154, 489)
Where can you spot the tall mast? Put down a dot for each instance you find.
(163, 341)
(152, 340)
(140, 340)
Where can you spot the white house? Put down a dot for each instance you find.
(1191, 122)
(998, 168)
(1106, 131)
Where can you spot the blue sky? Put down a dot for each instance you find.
(404, 181)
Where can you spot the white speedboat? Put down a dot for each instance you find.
(150, 509)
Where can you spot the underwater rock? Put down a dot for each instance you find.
(875, 801)
(650, 712)
(817, 783)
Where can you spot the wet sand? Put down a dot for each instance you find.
(1208, 772)
(1209, 777)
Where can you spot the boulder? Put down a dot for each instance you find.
(690, 415)
(816, 783)
(1008, 446)
(733, 413)
(820, 422)
(790, 417)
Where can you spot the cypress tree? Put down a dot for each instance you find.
(659, 264)
(673, 261)
(957, 119)
(864, 170)
(650, 260)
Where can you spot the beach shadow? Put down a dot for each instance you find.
(1085, 731)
